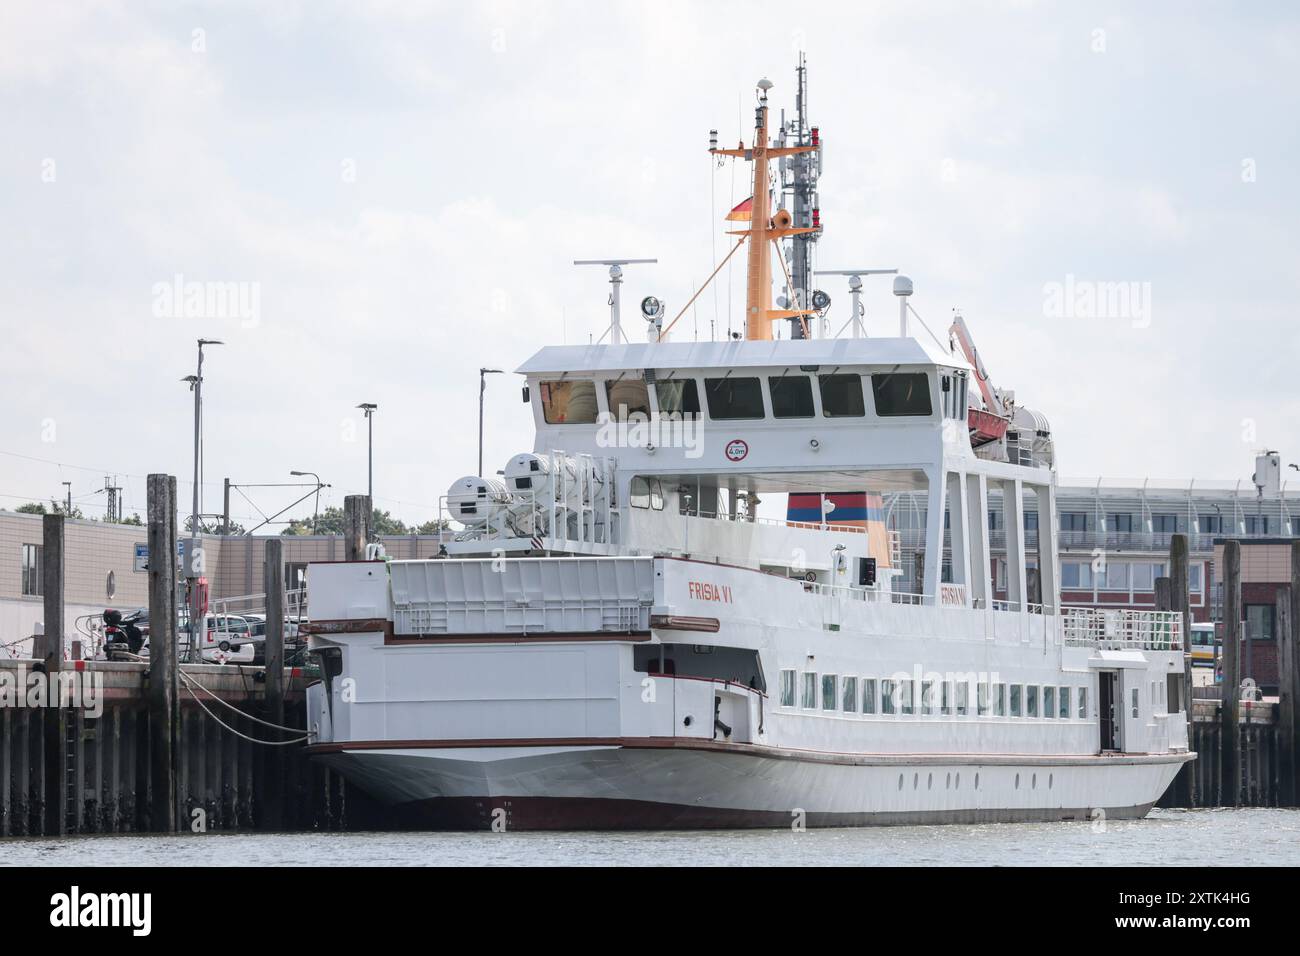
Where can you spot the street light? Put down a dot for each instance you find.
(196, 386)
(482, 387)
(369, 409)
(316, 509)
(68, 486)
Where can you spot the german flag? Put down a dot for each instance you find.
(743, 212)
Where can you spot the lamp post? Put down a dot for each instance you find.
(482, 387)
(68, 487)
(316, 508)
(369, 409)
(196, 386)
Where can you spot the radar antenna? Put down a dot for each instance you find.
(615, 330)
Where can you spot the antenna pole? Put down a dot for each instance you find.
(615, 284)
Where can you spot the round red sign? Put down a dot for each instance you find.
(737, 449)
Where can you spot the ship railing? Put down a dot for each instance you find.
(1122, 628)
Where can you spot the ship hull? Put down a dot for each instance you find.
(652, 785)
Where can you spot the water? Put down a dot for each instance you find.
(1182, 837)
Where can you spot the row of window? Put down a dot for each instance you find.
(869, 695)
(740, 397)
(1122, 576)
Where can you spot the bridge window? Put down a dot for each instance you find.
(1031, 701)
(1064, 703)
(628, 398)
(842, 396)
(1049, 702)
(788, 683)
(569, 403)
(849, 695)
(1015, 700)
(828, 692)
(982, 699)
(678, 397)
(646, 493)
(946, 705)
(901, 393)
(1083, 703)
(868, 695)
(963, 698)
(999, 700)
(905, 697)
(809, 701)
(791, 396)
(733, 398)
(886, 696)
(1137, 702)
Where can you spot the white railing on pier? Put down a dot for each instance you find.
(1122, 629)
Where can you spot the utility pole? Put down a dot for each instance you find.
(67, 485)
(482, 387)
(225, 507)
(369, 409)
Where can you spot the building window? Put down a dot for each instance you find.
(1260, 620)
(295, 575)
(1083, 703)
(1031, 701)
(1049, 702)
(849, 696)
(1074, 521)
(679, 398)
(868, 695)
(1117, 575)
(1164, 524)
(1144, 576)
(901, 393)
(734, 397)
(1076, 575)
(628, 399)
(1031, 520)
(1195, 577)
(1210, 524)
(842, 396)
(809, 699)
(999, 700)
(569, 402)
(1119, 523)
(1015, 700)
(1064, 703)
(1257, 525)
(791, 396)
(886, 696)
(32, 569)
(788, 682)
(829, 701)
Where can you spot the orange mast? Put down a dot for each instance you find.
(764, 228)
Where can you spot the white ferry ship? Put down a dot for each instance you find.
(617, 638)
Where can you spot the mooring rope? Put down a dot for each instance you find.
(243, 736)
(257, 720)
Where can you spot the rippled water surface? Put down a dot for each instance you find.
(1196, 837)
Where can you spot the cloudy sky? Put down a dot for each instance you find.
(402, 185)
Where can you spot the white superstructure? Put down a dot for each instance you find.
(618, 638)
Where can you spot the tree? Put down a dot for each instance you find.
(31, 508)
(333, 521)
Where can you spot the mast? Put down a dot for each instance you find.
(764, 228)
(799, 178)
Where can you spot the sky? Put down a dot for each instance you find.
(397, 190)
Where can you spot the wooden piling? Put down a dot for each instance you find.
(48, 649)
(1180, 600)
(1230, 738)
(358, 526)
(273, 789)
(162, 653)
(1286, 702)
